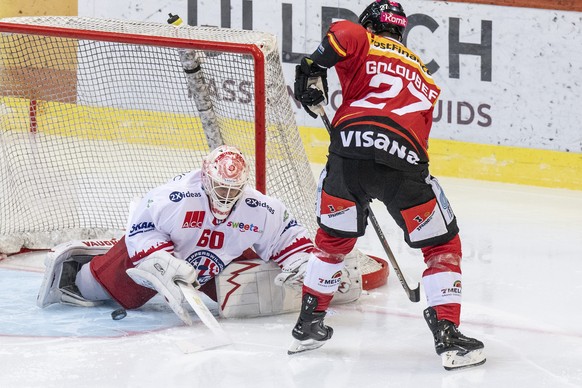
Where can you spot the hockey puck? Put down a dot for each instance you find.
(118, 314)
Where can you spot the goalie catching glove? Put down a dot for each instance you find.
(310, 87)
(160, 271)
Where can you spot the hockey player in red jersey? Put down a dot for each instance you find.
(378, 150)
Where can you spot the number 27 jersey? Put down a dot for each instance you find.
(382, 77)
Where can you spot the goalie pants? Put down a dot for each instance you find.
(109, 270)
(417, 204)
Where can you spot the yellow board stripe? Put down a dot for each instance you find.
(12, 8)
(100, 123)
(448, 158)
(524, 166)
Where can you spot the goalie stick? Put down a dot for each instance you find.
(221, 338)
(413, 294)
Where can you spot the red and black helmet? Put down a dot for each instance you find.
(384, 16)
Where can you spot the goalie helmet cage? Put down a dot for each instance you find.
(96, 112)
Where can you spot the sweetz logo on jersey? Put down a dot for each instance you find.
(194, 219)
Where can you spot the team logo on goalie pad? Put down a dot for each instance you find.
(207, 264)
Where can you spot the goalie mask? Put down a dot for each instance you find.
(224, 175)
(384, 16)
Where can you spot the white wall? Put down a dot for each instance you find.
(524, 89)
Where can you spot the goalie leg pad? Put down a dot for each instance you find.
(246, 288)
(62, 264)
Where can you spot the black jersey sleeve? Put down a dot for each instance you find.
(325, 55)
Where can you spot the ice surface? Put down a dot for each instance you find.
(521, 290)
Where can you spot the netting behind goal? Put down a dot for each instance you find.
(96, 112)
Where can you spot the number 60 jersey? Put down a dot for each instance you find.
(176, 217)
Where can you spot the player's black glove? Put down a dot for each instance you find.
(310, 87)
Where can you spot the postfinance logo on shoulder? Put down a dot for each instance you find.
(244, 227)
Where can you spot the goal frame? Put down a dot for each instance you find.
(178, 43)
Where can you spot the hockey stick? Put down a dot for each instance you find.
(413, 294)
(192, 296)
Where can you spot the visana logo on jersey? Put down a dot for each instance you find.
(367, 139)
(177, 196)
(141, 227)
(243, 227)
(252, 202)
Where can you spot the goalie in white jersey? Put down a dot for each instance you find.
(189, 229)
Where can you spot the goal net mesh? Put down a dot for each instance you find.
(87, 124)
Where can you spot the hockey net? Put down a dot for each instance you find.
(96, 112)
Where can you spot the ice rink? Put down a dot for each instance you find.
(521, 289)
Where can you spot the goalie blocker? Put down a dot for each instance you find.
(245, 288)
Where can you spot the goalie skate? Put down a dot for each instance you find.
(456, 350)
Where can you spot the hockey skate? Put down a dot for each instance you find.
(309, 331)
(456, 350)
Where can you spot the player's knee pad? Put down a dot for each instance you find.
(444, 262)
(444, 257)
(88, 286)
(62, 264)
(332, 245)
(451, 246)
